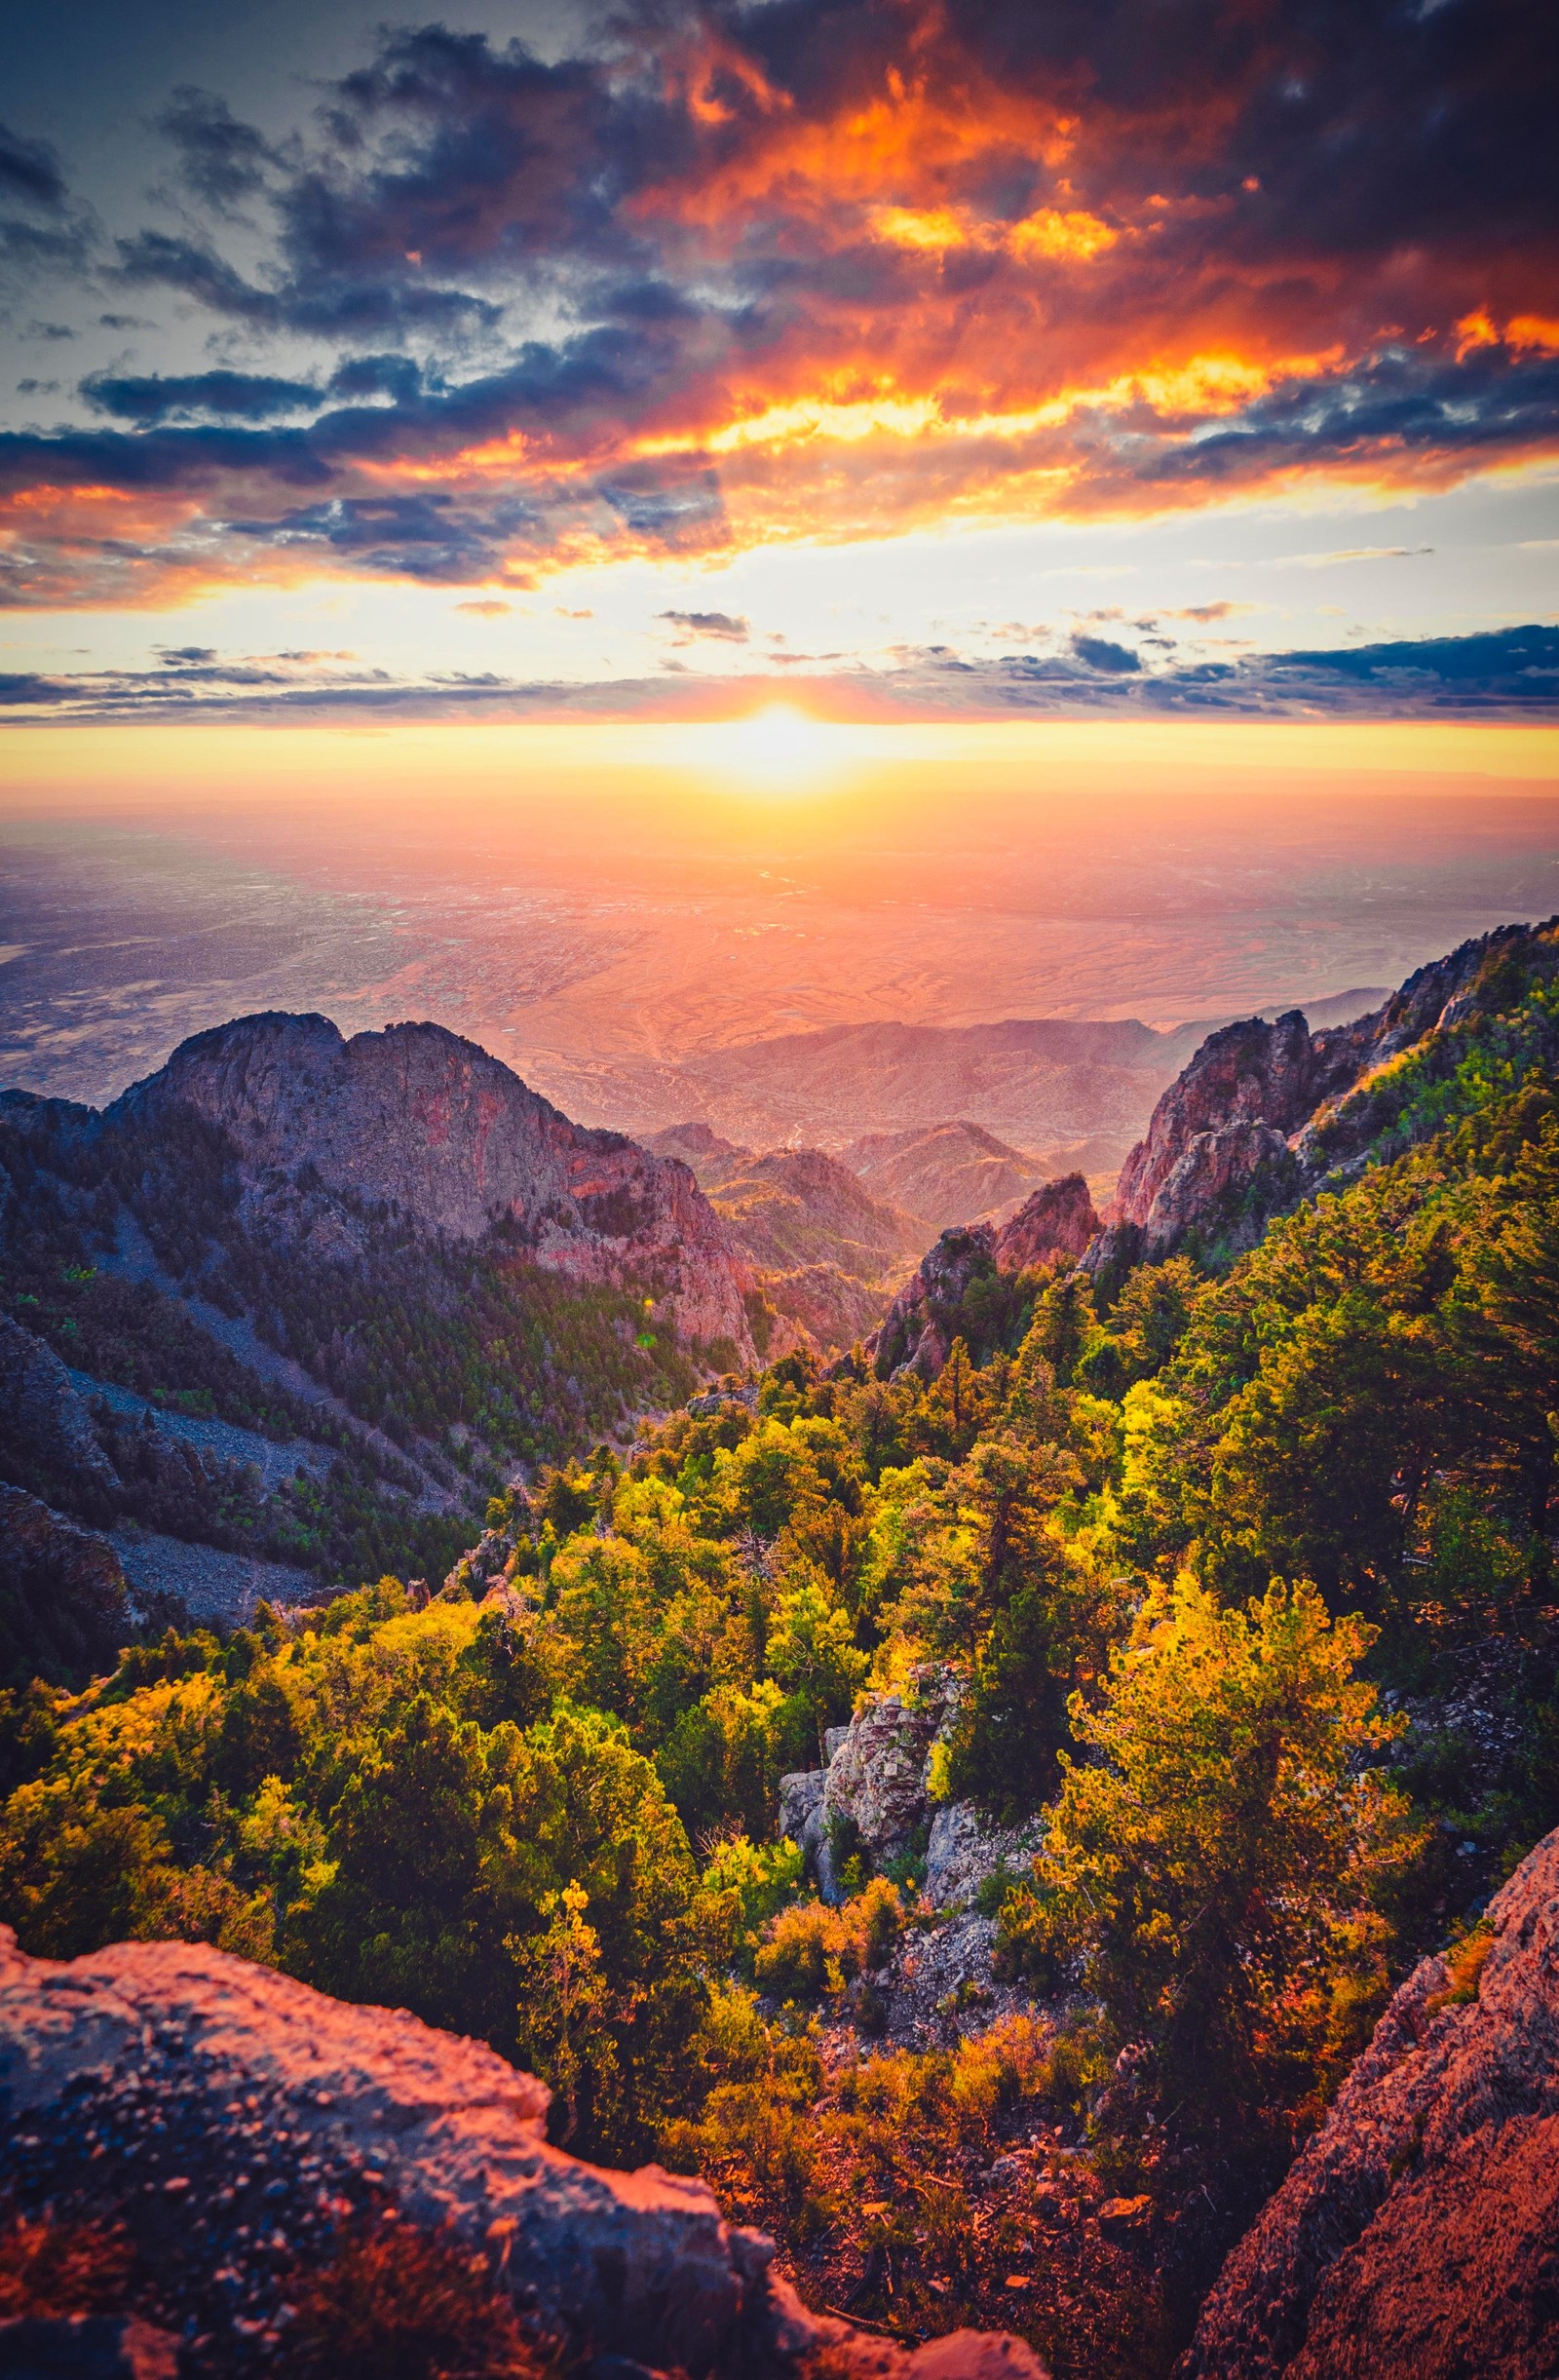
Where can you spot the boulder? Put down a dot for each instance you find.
(1416, 2237)
(136, 2080)
(874, 1786)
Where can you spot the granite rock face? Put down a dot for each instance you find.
(1267, 1113)
(638, 2265)
(963, 1853)
(874, 1787)
(1417, 2238)
(1055, 1223)
(418, 1120)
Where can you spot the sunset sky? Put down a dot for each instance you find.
(901, 358)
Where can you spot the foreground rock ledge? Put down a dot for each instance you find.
(639, 2264)
(1418, 2236)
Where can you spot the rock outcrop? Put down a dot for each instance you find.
(1057, 1225)
(1417, 2238)
(418, 1120)
(47, 1437)
(1265, 1113)
(873, 1791)
(64, 1608)
(232, 2118)
(962, 1852)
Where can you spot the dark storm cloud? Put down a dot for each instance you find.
(219, 395)
(342, 307)
(1100, 653)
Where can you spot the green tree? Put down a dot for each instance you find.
(1215, 1861)
(812, 1649)
(567, 2012)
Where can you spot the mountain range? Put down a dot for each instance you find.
(298, 1300)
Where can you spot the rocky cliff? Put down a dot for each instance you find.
(1057, 1225)
(1268, 1112)
(1417, 2238)
(418, 1120)
(239, 2126)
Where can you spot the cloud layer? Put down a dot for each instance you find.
(815, 269)
(1504, 674)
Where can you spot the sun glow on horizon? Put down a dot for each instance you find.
(779, 750)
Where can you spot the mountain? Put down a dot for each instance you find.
(1267, 1113)
(825, 1251)
(421, 1123)
(1075, 1094)
(1038, 1084)
(296, 1302)
(943, 1174)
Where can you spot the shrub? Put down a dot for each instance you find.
(400, 2303)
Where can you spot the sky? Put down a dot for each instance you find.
(884, 359)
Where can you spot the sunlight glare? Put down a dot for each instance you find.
(779, 750)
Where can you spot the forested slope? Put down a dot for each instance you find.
(1229, 1590)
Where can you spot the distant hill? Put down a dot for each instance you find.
(826, 1251)
(1070, 1094)
(944, 1174)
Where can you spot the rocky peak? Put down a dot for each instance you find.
(1236, 1138)
(416, 1119)
(1055, 1225)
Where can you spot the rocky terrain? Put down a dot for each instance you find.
(294, 1304)
(1270, 1112)
(1417, 2238)
(1059, 1222)
(64, 1604)
(240, 2126)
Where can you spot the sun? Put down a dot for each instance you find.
(777, 749)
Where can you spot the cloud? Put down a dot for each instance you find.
(488, 609)
(1508, 673)
(217, 394)
(220, 159)
(1205, 613)
(1348, 554)
(721, 625)
(729, 276)
(29, 171)
(1099, 653)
